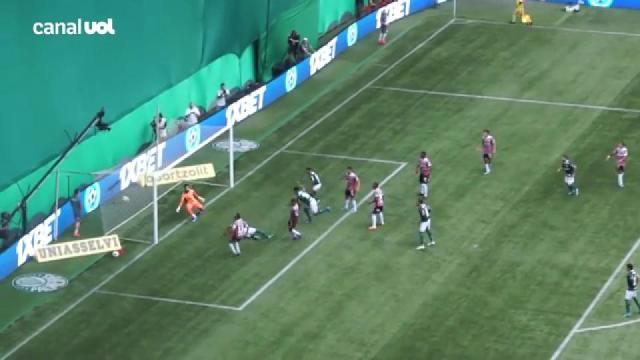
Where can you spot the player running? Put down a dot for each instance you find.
(384, 27)
(569, 168)
(309, 203)
(488, 148)
(424, 212)
(352, 188)
(620, 153)
(378, 207)
(294, 214)
(631, 293)
(423, 169)
(316, 184)
(193, 201)
(240, 230)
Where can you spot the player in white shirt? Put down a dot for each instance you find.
(309, 203)
(378, 207)
(240, 230)
(620, 153)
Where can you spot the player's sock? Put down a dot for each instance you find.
(620, 180)
(237, 246)
(354, 204)
(627, 307)
(374, 220)
(420, 238)
(307, 212)
(296, 233)
(487, 168)
(194, 217)
(381, 218)
(423, 190)
(346, 204)
(233, 249)
(637, 303)
(429, 235)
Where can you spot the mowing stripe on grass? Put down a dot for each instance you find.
(558, 28)
(345, 157)
(508, 99)
(250, 173)
(317, 241)
(168, 300)
(587, 312)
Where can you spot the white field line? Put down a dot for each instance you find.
(345, 157)
(246, 176)
(317, 241)
(587, 312)
(167, 300)
(558, 28)
(508, 99)
(605, 327)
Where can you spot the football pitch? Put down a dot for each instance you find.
(521, 270)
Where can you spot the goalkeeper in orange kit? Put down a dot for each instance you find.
(193, 202)
(519, 13)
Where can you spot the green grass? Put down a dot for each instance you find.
(516, 263)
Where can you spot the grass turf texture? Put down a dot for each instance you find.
(517, 260)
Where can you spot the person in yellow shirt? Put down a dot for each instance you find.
(519, 13)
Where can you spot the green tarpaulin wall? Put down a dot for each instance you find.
(164, 54)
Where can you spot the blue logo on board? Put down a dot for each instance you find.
(192, 138)
(91, 197)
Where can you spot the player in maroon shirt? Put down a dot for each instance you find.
(423, 169)
(294, 214)
(620, 153)
(488, 147)
(352, 188)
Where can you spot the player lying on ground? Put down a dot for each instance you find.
(424, 213)
(573, 8)
(316, 184)
(520, 13)
(423, 169)
(240, 230)
(294, 214)
(569, 168)
(352, 188)
(309, 203)
(378, 207)
(631, 293)
(488, 148)
(620, 153)
(193, 202)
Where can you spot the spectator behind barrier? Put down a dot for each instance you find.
(294, 44)
(306, 47)
(5, 219)
(159, 128)
(190, 118)
(221, 98)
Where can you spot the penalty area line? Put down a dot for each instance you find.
(587, 312)
(606, 327)
(345, 157)
(167, 300)
(543, 27)
(315, 243)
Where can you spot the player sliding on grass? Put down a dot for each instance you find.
(309, 203)
(352, 188)
(424, 213)
(630, 294)
(240, 230)
(423, 169)
(620, 153)
(294, 214)
(193, 201)
(569, 168)
(378, 207)
(316, 184)
(488, 148)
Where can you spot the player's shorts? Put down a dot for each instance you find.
(316, 187)
(569, 179)
(349, 194)
(425, 225)
(423, 179)
(377, 210)
(384, 29)
(293, 222)
(629, 294)
(313, 205)
(620, 166)
(487, 156)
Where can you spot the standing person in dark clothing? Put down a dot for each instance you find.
(76, 206)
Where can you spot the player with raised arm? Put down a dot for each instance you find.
(316, 184)
(620, 153)
(294, 214)
(240, 230)
(631, 293)
(352, 188)
(423, 169)
(569, 168)
(193, 202)
(488, 148)
(309, 203)
(378, 207)
(424, 213)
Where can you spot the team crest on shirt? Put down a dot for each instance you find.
(91, 199)
(39, 282)
(291, 79)
(601, 3)
(192, 138)
(352, 34)
(240, 145)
